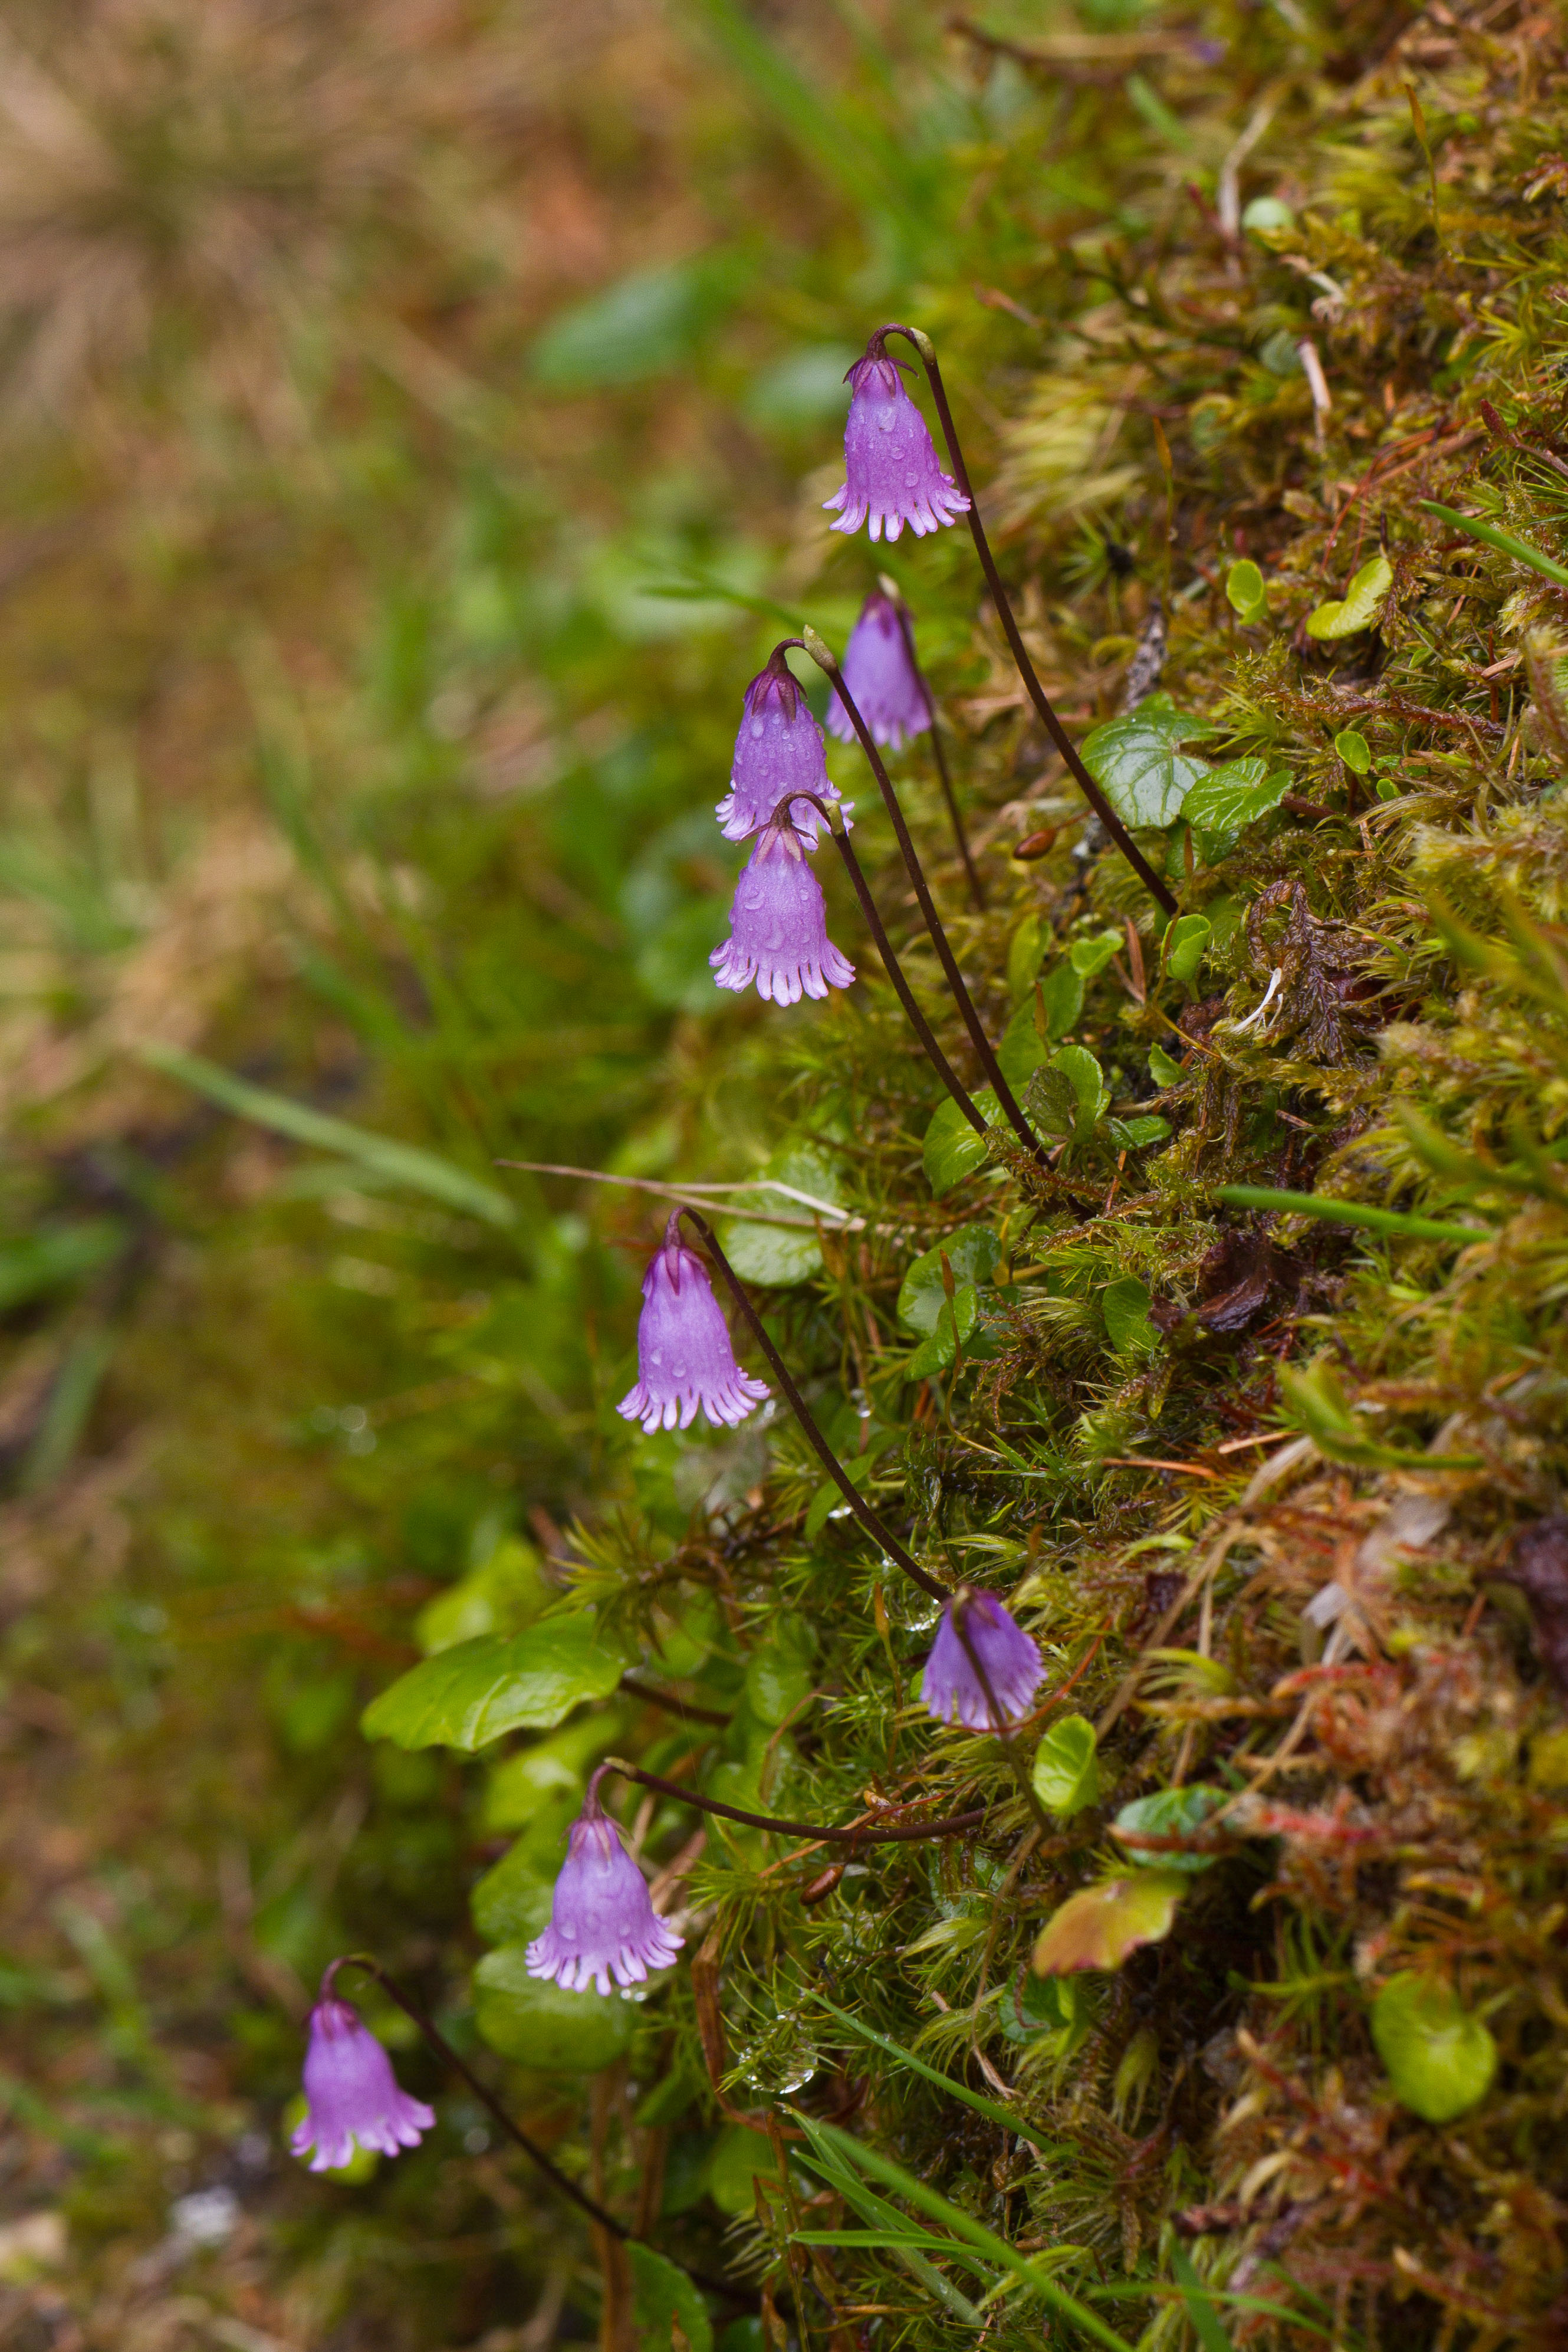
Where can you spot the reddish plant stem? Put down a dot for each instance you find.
(804, 1415)
(852, 1834)
(1020, 651)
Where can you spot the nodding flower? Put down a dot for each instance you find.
(351, 2095)
(602, 1921)
(952, 1687)
(684, 1357)
(893, 473)
(778, 926)
(889, 691)
(778, 749)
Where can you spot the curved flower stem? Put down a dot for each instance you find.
(1026, 669)
(977, 888)
(822, 654)
(854, 1833)
(803, 1414)
(833, 817)
(444, 2050)
(999, 1718)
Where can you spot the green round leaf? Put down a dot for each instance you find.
(1185, 940)
(1062, 996)
(660, 2293)
(467, 1696)
(1067, 1768)
(1244, 590)
(511, 1903)
(1171, 1812)
(741, 2156)
(1126, 1306)
(1353, 749)
(1361, 603)
(552, 2032)
(1439, 2060)
(778, 1256)
(972, 1253)
(1138, 762)
(952, 1149)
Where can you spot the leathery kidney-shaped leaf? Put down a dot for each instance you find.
(541, 2026)
(1360, 604)
(1138, 762)
(1098, 1927)
(972, 1254)
(468, 1696)
(1440, 2061)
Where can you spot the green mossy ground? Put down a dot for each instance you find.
(1175, 1422)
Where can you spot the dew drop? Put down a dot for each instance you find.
(886, 419)
(757, 730)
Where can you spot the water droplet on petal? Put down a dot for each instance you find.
(756, 729)
(886, 419)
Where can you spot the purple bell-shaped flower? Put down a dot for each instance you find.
(778, 749)
(778, 926)
(683, 1354)
(602, 1921)
(889, 691)
(894, 475)
(350, 2092)
(951, 1688)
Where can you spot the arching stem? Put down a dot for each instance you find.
(890, 588)
(852, 1834)
(1020, 651)
(445, 2052)
(803, 1413)
(833, 816)
(822, 654)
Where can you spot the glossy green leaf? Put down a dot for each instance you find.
(1230, 798)
(503, 1593)
(661, 2292)
(1139, 764)
(1066, 1772)
(1022, 1048)
(1170, 1812)
(547, 2030)
(1062, 993)
(1025, 950)
(1245, 592)
(953, 1150)
(1098, 1927)
(1359, 607)
(1185, 941)
(1353, 749)
(741, 2157)
(511, 1903)
(1091, 956)
(1085, 1076)
(776, 1256)
(778, 1673)
(1054, 2010)
(1441, 2060)
(466, 1696)
(1164, 1071)
(973, 1253)
(1137, 1134)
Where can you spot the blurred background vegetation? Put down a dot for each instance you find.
(408, 408)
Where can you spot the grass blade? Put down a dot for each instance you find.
(963, 2225)
(398, 1164)
(1503, 541)
(1347, 1212)
(991, 2109)
(904, 2242)
(1200, 2310)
